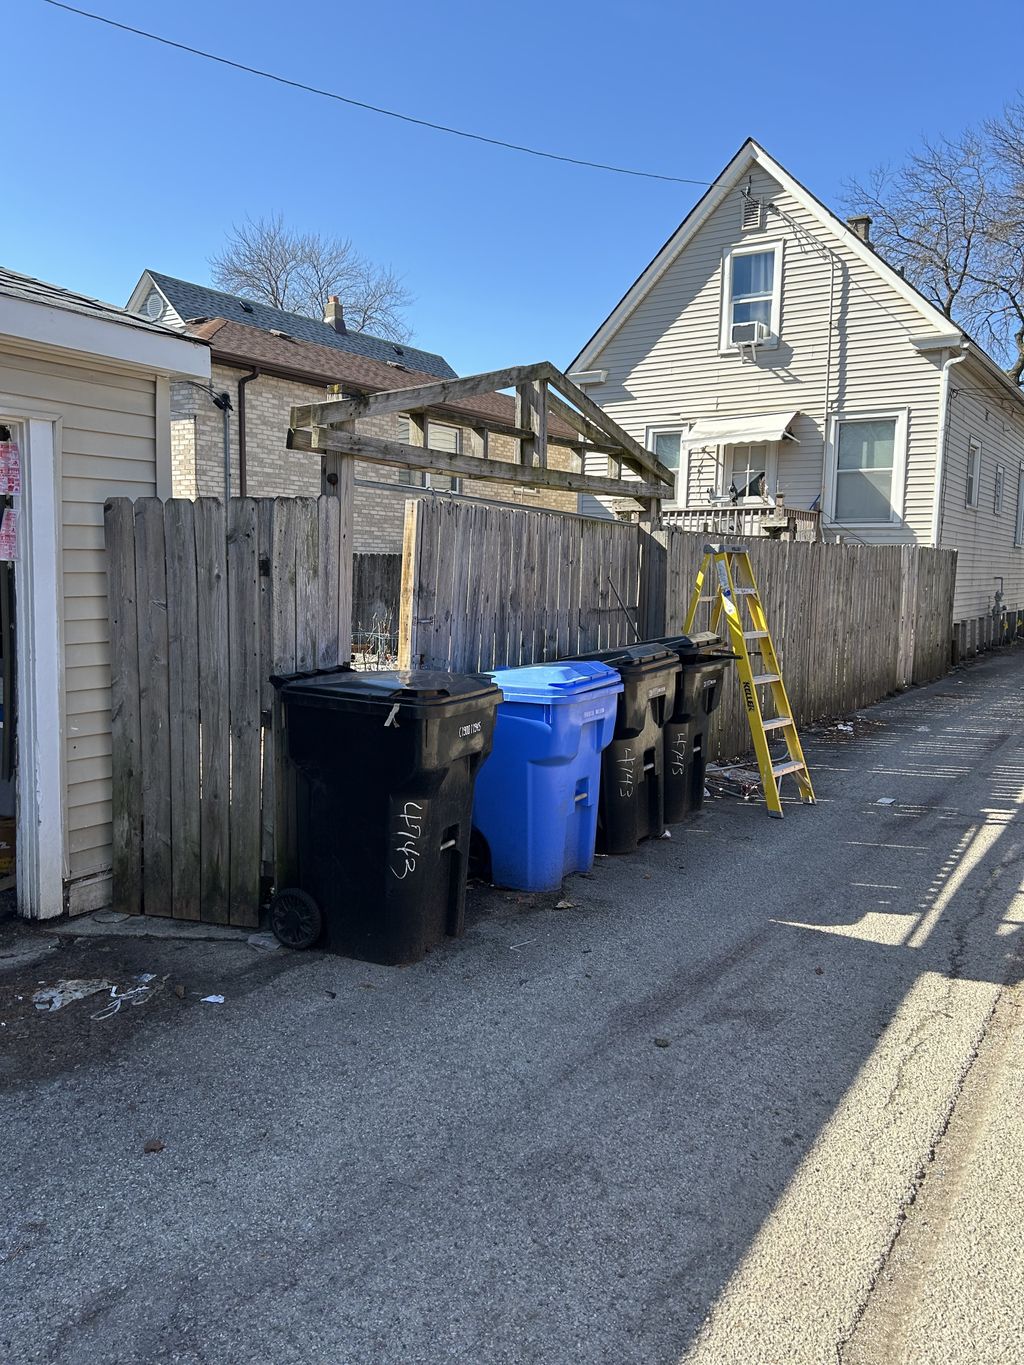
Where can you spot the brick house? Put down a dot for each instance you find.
(266, 360)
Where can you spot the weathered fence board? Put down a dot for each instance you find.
(205, 604)
(183, 677)
(851, 623)
(376, 586)
(486, 587)
(126, 737)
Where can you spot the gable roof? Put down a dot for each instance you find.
(751, 154)
(307, 363)
(199, 301)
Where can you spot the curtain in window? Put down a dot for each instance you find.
(753, 274)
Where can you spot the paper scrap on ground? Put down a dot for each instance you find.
(886, 801)
(212, 1000)
(62, 993)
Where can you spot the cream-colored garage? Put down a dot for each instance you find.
(84, 416)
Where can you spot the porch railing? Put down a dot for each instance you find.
(791, 523)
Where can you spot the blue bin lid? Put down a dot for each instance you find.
(557, 682)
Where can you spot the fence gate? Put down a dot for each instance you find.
(206, 602)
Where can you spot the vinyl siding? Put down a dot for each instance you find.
(108, 448)
(665, 365)
(982, 537)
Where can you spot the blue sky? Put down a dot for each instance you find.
(119, 154)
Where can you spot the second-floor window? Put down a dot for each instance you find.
(752, 294)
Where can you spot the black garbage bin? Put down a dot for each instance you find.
(704, 662)
(632, 805)
(384, 770)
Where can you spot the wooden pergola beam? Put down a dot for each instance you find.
(378, 450)
(443, 393)
(534, 397)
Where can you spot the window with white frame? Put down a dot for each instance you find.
(1018, 528)
(998, 484)
(667, 444)
(868, 459)
(972, 492)
(751, 296)
(439, 437)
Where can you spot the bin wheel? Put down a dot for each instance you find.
(295, 918)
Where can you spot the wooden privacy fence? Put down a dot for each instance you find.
(206, 602)
(851, 623)
(485, 588)
(376, 588)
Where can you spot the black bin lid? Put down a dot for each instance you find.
(417, 690)
(699, 643)
(646, 655)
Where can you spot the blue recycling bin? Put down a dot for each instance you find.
(536, 796)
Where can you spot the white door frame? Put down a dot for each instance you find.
(41, 849)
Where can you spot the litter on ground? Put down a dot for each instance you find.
(62, 993)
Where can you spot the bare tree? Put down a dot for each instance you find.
(268, 262)
(949, 219)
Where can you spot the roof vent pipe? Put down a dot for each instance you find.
(861, 225)
(334, 314)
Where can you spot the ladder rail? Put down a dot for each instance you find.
(734, 585)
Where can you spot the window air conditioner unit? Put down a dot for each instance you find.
(749, 333)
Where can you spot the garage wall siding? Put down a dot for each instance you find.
(108, 450)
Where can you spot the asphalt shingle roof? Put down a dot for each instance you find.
(198, 301)
(15, 286)
(240, 346)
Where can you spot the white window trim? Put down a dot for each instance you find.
(726, 345)
(683, 472)
(973, 446)
(1018, 525)
(899, 462)
(41, 849)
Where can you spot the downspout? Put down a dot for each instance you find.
(943, 438)
(243, 475)
(827, 412)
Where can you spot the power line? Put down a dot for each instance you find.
(375, 108)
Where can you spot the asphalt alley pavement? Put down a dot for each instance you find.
(693, 1116)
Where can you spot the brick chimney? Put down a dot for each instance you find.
(334, 314)
(861, 225)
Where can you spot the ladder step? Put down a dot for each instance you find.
(777, 723)
(755, 635)
(759, 679)
(792, 766)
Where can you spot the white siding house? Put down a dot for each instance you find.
(768, 338)
(85, 396)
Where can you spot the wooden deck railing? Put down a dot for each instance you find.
(791, 523)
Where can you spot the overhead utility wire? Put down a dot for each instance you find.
(374, 108)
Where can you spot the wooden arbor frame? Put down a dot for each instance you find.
(541, 390)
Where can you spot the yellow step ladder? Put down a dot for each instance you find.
(733, 585)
